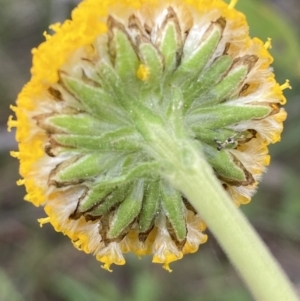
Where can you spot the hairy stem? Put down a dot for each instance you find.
(187, 169)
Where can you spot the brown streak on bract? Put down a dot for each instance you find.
(220, 24)
(92, 218)
(61, 82)
(244, 89)
(56, 94)
(88, 213)
(110, 35)
(58, 168)
(246, 60)
(54, 143)
(250, 135)
(226, 49)
(275, 108)
(52, 148)
(104, 228)
(42, 122)
(113, 25)
(179, 244)
(144, 40)
(144, 235)
(188, 205)
(136, 27)
(171, 17)
(49, 150)
(148, 30)
(89, 81)
(123, 233)
(77, 214)
(249, 180)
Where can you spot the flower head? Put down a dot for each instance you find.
(84, 152)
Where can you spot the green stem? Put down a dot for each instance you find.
(188, 170)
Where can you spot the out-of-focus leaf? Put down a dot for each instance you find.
(7, 289)
(290, 141)
(145, 287)
(265, 21)
(288, 217)
(72, 290)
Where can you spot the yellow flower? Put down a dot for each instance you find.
(83, 158)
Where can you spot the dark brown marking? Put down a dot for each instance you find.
(246, 60)
(244, 89)
(179, 244)
(104, 228)
(56, 94)
(249, 180)
(171, 17)
(77, 214)
(114, 25)
(144, 235)
(58, 168)
(49, 150)
(42, 121)
(136, 27)
(248, 135)
(188, 205)
(89, 81)
(148, 29)
(226, 49)
(90, 215)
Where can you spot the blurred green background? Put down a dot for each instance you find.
(40, 264)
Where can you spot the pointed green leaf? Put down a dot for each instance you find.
(173, 206)
(122, 139)
(209, 78)
(126, 61)
(153, 61)
(226, 167)
(79, 124)
(170, 40)
(222, 91)
(91, 198)
(109, 202)
(84, 167)
(192, 64)
(128, 210)
(224, 115)
(147, 169)
(95, 100)
(150, 206)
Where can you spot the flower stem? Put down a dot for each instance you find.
(189, 171)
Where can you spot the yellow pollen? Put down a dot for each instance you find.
(13, 108)
(286, 85)
(77, 244)
(11, 123)
(15, 154)
(167, 267)
(20, 182)
(46, 35)
(268, 44)
(232, 4)
(106, 266)
(55, 27)
(143, 72)
(43, 221)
